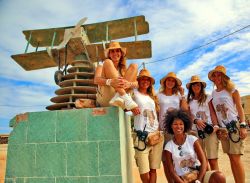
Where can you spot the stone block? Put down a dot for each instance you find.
(51, 160)
(41, 127)
(82, 159)
(71, 126)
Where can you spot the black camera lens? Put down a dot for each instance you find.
(209, 129)
(201, 134)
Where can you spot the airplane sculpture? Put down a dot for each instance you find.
(80, 46)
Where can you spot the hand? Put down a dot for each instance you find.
(243, 133)
(216, 128)
(200, 124)
(117, 82)
(127, 84)
(181, 90)
(136, 111)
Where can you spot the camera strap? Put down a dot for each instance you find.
(144, 141)
(230, 133)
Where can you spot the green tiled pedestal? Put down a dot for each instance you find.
(78, 146)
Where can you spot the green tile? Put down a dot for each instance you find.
(51, 160)
(40, 180)
(110, 163)
(41, 126)
(20, 180)
(8, 180)
(82, 159)
(106, 179)
(71, 125)
(20, 160)
(19, 134)
(103, 127)
(72, 180)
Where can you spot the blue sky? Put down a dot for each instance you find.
(175, 26)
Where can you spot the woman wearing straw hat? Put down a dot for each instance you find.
(200, 114)
(114, 79)
(148, 157)
(226, 103)
(171, 96)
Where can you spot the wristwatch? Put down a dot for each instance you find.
(243, 125)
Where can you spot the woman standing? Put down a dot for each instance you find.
(114, 79)
(227, 107)
(171, 96)
(148, 157)
(200, 114)
(185, 157)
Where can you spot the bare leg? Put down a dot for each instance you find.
(152, 176)
(131, 72)
(213, 164)
(237, 168)
(145, 177)
(217, 177)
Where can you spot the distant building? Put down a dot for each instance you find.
(246, 106)
(3, 155)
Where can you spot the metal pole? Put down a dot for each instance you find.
(135, 29)
(53, 39)
(27, 46)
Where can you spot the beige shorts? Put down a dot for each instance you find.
(148, 159)
(229, 147)
(211, 146)
(104, 95)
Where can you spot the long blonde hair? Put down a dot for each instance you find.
(228, 84)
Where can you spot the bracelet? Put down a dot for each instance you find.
(108, 82)
(216, 126)
(243, 123)
(197, 181)
(195, 121)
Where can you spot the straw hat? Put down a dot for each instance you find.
(112, 46)
(220, 69)
(146, 73)
(171, 75)
(196, 79)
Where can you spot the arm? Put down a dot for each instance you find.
(237, 101)
(213, 115)
(202, 159)
(171, 167)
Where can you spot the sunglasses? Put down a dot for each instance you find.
(180, 149)
(115, 51)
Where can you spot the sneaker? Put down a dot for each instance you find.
(117, 101)
(129, 102)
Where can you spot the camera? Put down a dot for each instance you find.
(208, 130)
(231, 127)
(142, 135)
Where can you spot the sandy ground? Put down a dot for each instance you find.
(224, 166)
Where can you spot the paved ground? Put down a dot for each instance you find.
(224, 165)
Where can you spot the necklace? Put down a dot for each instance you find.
(180, 144)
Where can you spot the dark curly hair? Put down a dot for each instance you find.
(177, 114)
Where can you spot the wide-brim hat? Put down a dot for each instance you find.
(220, 69)
(171, 75)
(115, 45)
(196, 79)
(146, 73)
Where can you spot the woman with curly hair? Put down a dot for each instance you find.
(202, 123)
(147, 156)
(184, 155)
(226, 103)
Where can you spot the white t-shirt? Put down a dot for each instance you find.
(147, 114)
(200, 111)
(224, 107)
(167, 103)
(188, 159)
